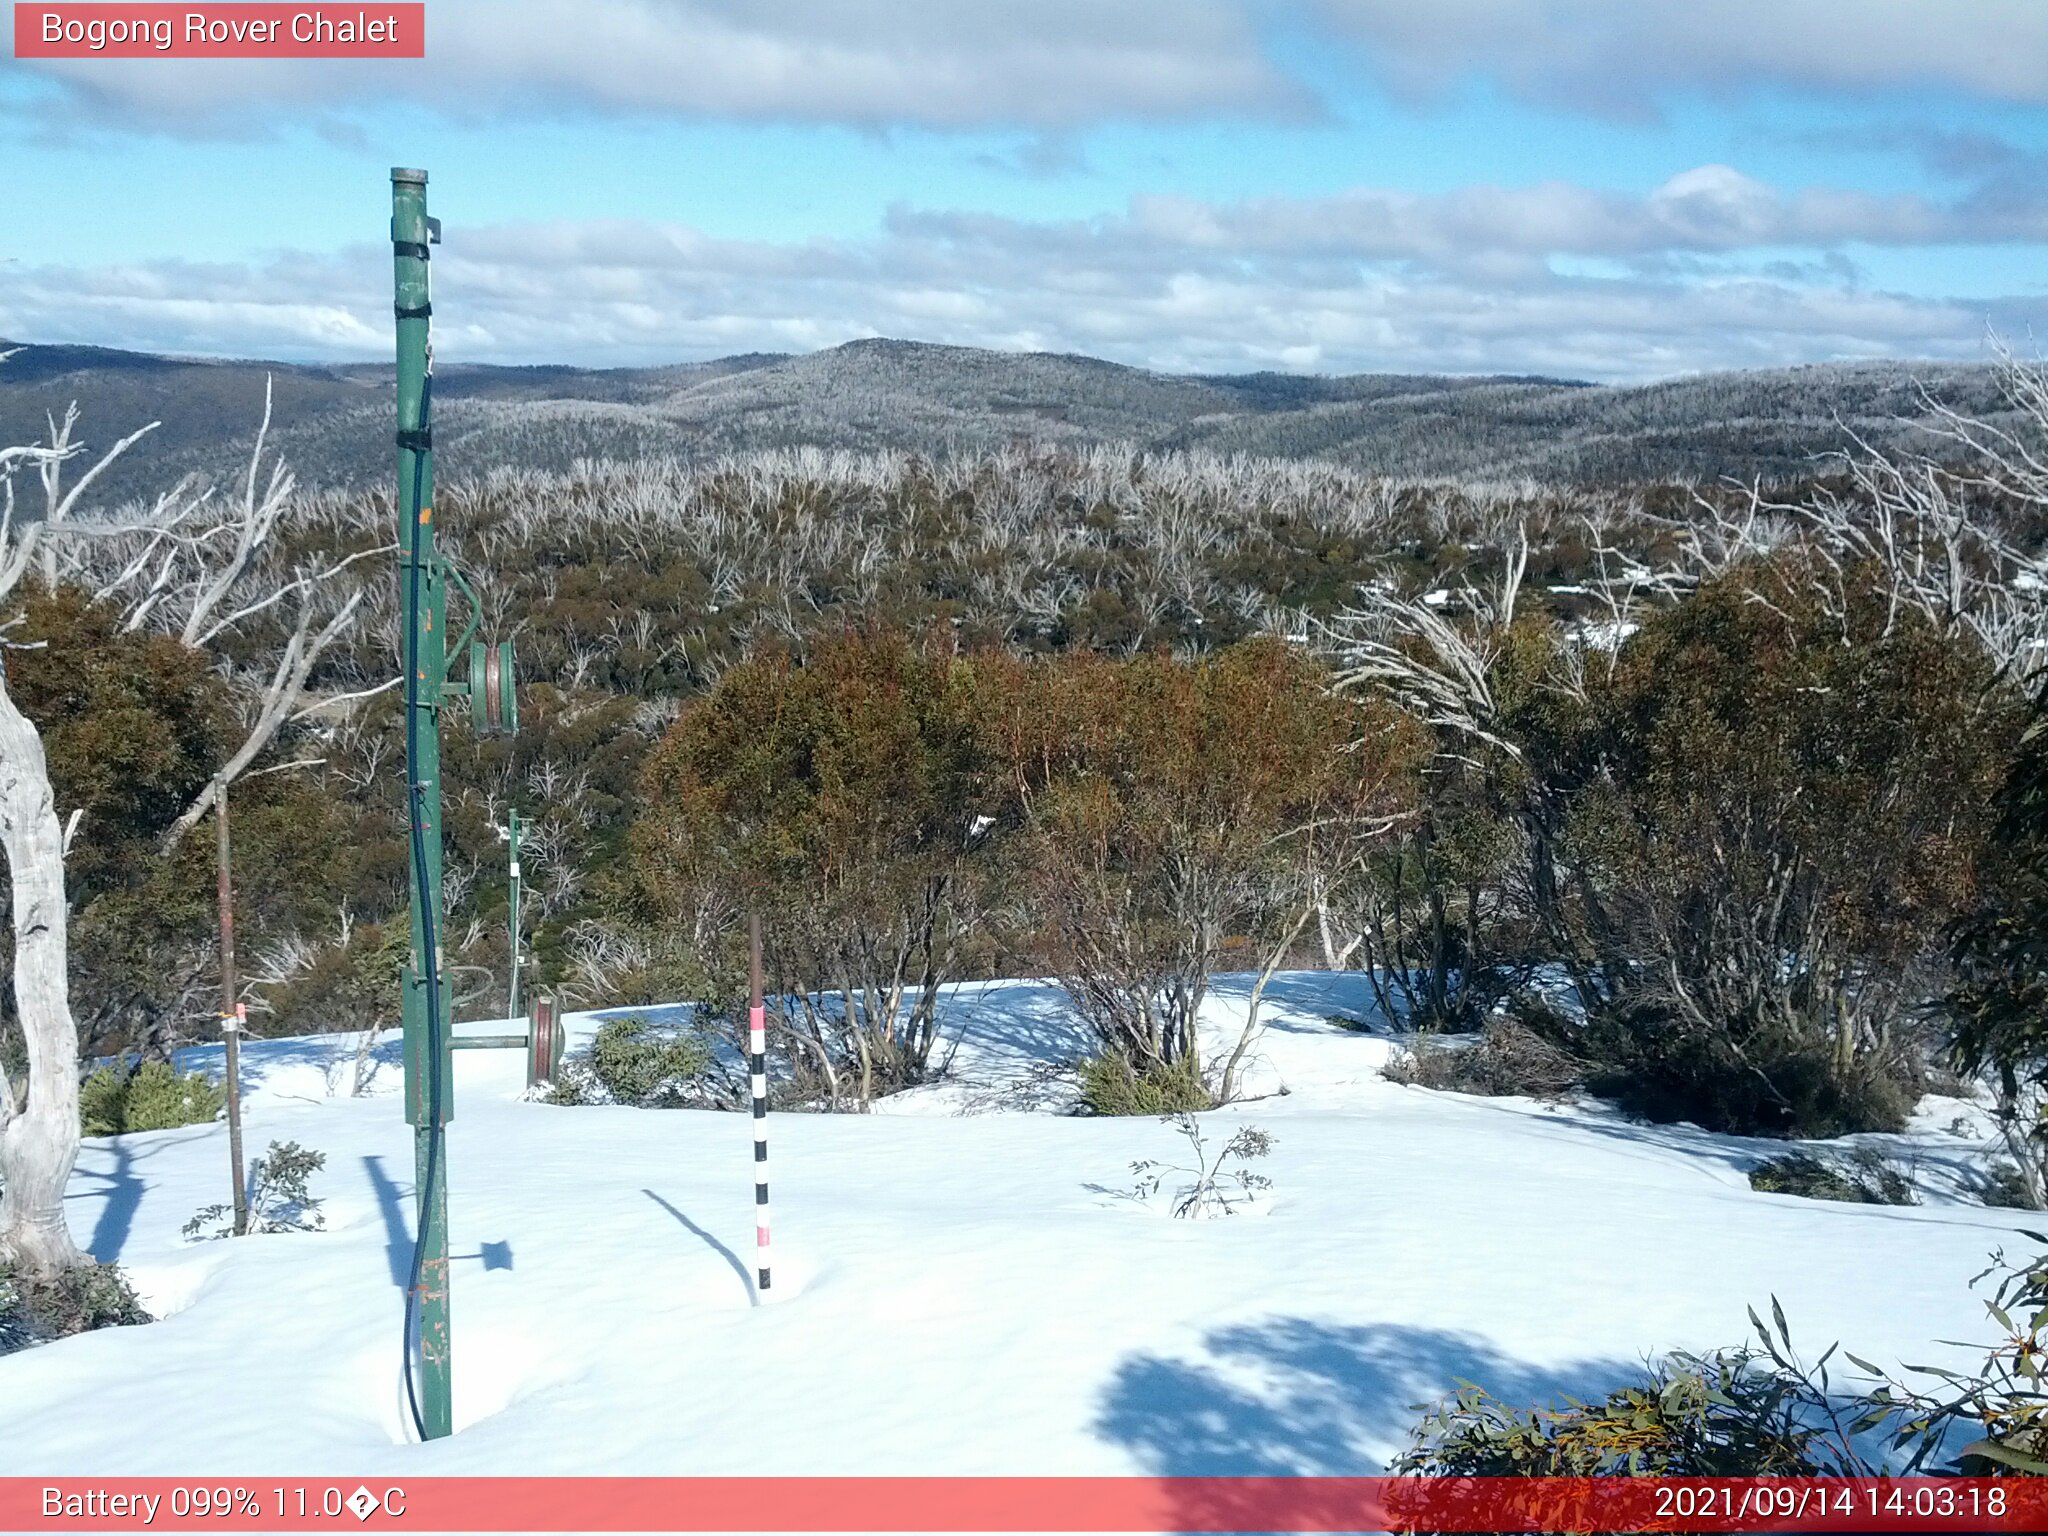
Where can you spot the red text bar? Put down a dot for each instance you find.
(258, 31)
(1010, 1504)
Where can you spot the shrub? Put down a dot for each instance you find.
(151, 1098)
(1768, 1084)
(1866, 1179)
(75, 1301)
(279, 1200)
(1723, 1415)
(1114, 1084)
(1162, 805)
(634, 1062)
(572, 1086)
(1211, 1194)
(837, 798)
(1508, 1058)
(1753, 835)
(158, 1098)
(1745, 1413)
(100, 1101)
(2004, 1186)
(1998, 1005)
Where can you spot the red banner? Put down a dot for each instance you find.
(240, 31)
(1006, 1504)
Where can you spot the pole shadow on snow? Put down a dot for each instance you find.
(1296, 1397)
(731, 1258)
(398, 1240)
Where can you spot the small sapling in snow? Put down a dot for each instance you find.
(1222, 1183)
(279, 1200)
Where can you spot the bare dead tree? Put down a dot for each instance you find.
(1433, 668)
(223, 573)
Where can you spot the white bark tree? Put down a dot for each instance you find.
(39, 1131)
(197, 569)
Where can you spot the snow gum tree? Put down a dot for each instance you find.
(1173, 813)
(836, 798)
(201, 573)
(39, 1130)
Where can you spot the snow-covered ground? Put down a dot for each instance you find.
(961, 1285)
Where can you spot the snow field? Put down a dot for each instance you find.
(959, 1287)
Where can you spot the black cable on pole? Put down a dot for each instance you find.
(429, 942)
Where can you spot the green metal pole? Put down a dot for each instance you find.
(424, 598)
(512, 1000)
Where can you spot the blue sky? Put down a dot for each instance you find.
(1580, 187)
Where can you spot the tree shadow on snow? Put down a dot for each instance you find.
(263, 1060)
(1021, 1021)
(1318, 994)
(123, 1190)
(1295, 1397)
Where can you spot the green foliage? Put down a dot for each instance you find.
(1160, 806)
(1221, 1182)
(836, 798)
(1866, 1179)
(1748, 1081)
(1720, 1415)
(1998, 1006)
(102, 1099)
(574, 1085)
(351, 986)
(279, 1197)
(133, 725)
(152, 1097)
(2003, 1186)
(1754, 835)
(1761, 1411)
(2004, 1403)
(76, 1301)
(1114, 1084)
(636, 1063)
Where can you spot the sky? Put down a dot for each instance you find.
(1599, 189)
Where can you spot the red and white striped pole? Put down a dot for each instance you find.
(757, 1070)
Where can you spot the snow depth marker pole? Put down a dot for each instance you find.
(512, 837)
(757, 1070)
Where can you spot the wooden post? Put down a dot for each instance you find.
(543, 1043)
(232, 1013)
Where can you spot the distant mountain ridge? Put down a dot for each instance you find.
(333, 422)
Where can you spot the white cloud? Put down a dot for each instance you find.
(1371, 280)
(1623, 57)
(1050, 64)
(1711, 208)
(1063, 65)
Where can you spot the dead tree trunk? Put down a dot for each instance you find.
(38, 1145)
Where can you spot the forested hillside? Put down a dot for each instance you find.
(333, 422)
